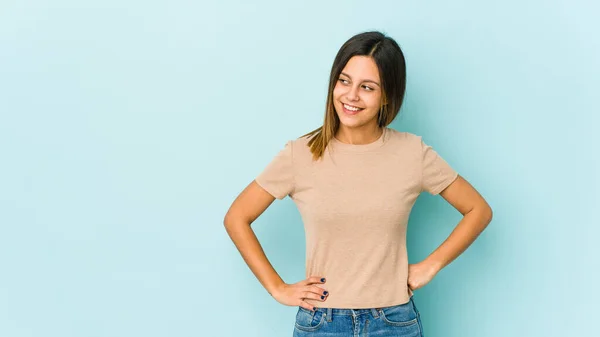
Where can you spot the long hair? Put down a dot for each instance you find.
(392, 70)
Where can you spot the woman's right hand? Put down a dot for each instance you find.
(294, 294)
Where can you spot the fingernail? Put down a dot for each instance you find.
(314, 308)
(325, 292)
(322, 297)
(323, 279)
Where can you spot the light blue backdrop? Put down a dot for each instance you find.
(127, 128)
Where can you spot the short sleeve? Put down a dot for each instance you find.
(437, 174)
(277, 178)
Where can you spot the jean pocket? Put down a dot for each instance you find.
(399, 315)
(307, 320)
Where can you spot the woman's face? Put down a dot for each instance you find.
(357, 93)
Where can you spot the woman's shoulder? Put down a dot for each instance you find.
(398, 138)
(403, 134)
(300, 147)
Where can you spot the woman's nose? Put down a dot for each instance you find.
(352, 94)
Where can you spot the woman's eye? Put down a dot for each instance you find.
(368, 88)
(342, 80)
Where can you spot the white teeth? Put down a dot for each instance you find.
(349, 107)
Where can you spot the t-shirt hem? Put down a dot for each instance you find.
(365, 306)
(268, 189)
(444, 184)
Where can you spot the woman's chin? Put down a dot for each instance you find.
(348, 121)
(352, 123)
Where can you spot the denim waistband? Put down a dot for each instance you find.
(375, 312)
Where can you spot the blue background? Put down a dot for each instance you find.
(127, 128)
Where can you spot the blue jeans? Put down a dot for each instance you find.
(402, 320)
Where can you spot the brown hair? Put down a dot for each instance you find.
(392, 69)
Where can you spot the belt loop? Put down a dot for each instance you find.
(328, 314)
(374, 312)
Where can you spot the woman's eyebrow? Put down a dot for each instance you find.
(367, 80)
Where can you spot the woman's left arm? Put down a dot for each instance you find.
(477, 214)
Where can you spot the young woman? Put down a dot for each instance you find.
(354, 181)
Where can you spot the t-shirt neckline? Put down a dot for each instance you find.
(360, 147)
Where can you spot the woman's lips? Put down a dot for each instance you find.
(350, 112)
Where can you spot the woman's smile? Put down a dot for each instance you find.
(350, 109)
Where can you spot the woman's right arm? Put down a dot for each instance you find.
(248, 206)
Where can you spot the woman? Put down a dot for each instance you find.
(354, 181)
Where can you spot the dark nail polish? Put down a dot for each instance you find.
(314, 308)
(322, 297)
(325, 292)
(323, 279)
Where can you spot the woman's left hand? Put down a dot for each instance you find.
(419, 274)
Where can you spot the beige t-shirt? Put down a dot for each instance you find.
(355, 203)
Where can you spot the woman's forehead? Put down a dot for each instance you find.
(362, 68)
